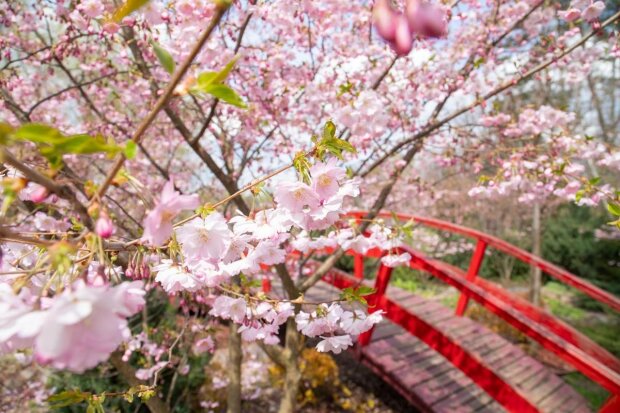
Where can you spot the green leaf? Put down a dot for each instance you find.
(37, 133)
(223, 74)
(53, 144)
(205, 79)
(364, 290)
(301, 164)
(127, 8)
(130, 150)
(613, 208)
(67, 398)
(330, 143)
(329, 130)
(226, 94)
(595, 180)
(165, 59)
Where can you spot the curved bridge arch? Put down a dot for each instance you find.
(553, 334)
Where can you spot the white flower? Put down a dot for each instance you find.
(334, 344)
(205, 239)
(174, 278)
(229, 308)
(396, 260)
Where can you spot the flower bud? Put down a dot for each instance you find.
(104, 226)
(39, 194)
(425, 19)
(403, 43)
(384, 18)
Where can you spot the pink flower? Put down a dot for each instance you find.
(570, 15)
(158, 222)
(296, 196)
(111, 27)
(334, 344)
(594, 10)
(104, 226)
(84, 325)
(326, 178)
(38, 193)
(205, 238)
(203, 345)
(229, 308)
(91, 8)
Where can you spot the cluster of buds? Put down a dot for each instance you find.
(419, 20)
(138, 269)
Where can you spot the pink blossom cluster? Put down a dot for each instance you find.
(73, 330)
(589, 10)
(335, 326)
(259, 321)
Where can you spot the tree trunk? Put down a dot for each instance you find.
(536, 282)
(292, 373)
(233, 400)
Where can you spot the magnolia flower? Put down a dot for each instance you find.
(158, 222)
(204, 238)
(384, 18)
(229, 308)
(403, 40)
(174, 278)
(334, 344)
(425, 19)
(396, 260)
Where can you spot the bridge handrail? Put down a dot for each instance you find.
(554, 271)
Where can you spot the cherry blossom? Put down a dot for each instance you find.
(158, 222)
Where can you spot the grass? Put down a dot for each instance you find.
(592, 392)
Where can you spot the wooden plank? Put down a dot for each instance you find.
(457, 401)
(441, 386)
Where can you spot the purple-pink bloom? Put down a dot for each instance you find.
(158, 221)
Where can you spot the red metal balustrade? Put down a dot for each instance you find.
(553, 334)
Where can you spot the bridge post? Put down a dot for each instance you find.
(472, 272)
(612, 405)
(383, 278)
(358, 266)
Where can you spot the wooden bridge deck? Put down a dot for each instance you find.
(432, 383)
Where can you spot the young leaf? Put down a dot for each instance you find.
(130, 150)
(67, 398)
(127, 8)
(301, 164)
(613, 208)
(223, 74)
(165, 59)
(226, 94)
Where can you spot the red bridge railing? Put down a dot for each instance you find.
(566, 342)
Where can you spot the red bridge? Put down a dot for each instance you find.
(441, 361)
